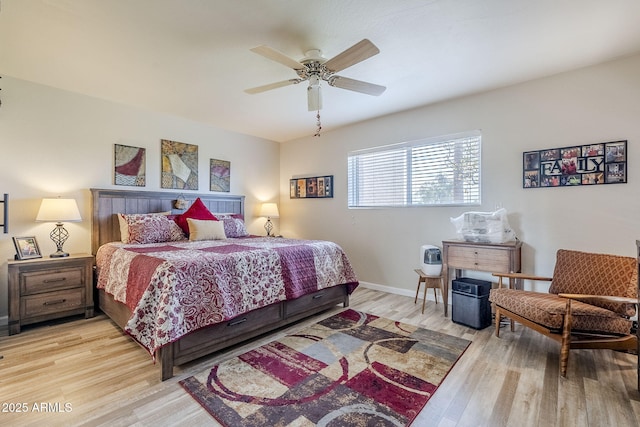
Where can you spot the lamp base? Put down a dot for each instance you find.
(59, 235)
(59, 254)
(268, 226)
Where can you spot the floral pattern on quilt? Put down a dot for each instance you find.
(179, 287)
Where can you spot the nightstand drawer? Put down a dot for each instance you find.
(35, 282)
(52, 302)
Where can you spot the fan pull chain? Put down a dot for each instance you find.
(319, 125)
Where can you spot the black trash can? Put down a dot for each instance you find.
(470, 302)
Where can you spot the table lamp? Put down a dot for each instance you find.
(270, 210)
(59, 211)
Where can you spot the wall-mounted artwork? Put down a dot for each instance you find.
(220, 175)
(317, 187)
(130, 165)
(179, 165)
(592, 164)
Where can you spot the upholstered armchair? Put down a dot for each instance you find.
(590, 302)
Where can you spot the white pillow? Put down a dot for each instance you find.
(124, 229)
(204, 229)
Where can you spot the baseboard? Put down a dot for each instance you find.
(396, 291)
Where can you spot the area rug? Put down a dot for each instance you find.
(352, 369)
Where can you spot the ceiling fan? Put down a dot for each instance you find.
(314, 68)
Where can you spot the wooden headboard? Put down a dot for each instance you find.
(106, 204)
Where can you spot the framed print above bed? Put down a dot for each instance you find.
(220, 175)
(592, 164)
(129, 165)
(179, 165)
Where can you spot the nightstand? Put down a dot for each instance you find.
(48, 288)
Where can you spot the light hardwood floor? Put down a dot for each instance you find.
(107, 380)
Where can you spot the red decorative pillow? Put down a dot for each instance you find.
(196, 211)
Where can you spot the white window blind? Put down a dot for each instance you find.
(428, 172)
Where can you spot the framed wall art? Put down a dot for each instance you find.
(219, 175)
(26, 247)
(592, 164)
(129, 165)
(317, 187)
(179, 165)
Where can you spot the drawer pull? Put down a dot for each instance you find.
(60, 279)
(237, 322)
(55, 302)
(317, 296)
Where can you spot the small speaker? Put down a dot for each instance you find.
(471, 308)
(470, 286)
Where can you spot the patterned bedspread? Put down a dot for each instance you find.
(178, 287)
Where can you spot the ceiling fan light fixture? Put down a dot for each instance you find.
(314, 81)
(314, 97)
(315, 68)
(313, 55)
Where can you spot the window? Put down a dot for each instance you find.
(428, 172)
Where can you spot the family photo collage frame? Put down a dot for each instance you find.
(591, 164)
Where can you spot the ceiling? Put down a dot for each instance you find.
(191, 58)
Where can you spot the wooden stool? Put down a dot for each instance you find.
(429, 282)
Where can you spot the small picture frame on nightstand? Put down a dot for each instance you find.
(26, 248)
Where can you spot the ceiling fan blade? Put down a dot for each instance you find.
(277, 56)
(356, 85)
(356, 53)
(270, 86)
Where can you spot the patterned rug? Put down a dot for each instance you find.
(352, 369)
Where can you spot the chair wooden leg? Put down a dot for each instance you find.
(566, 341)
(498, 316)
(415, 301)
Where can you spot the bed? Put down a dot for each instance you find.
(213, 330)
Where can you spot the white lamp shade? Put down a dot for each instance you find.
(269, 210)
(59, 210)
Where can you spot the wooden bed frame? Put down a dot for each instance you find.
(105, 228)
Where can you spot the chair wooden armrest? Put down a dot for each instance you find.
(522, 276)
(609, 298)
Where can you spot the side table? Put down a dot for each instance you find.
(489, 257)
(432, 282)
(48, 288)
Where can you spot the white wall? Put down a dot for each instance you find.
(596, 104)
(60, 143)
